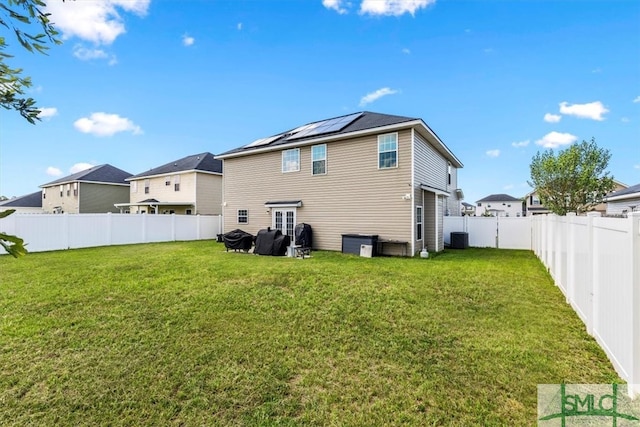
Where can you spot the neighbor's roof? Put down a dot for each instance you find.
(106, 174)
(33, 200)
(336, 127)
(499, 198)
(204, 162)
(627, 193)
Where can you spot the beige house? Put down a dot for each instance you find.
(534, 205)
(188, 186)
(364, 173)
(93, 190)
(499, 205)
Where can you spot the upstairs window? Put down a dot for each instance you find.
(75, 189)
(146, 186)
(134, 186)
(44, 193)
(167, 181)
(319, 159)
(388, 151)
(61, 190)
(449, 173)
(291, 160)
(176, 183)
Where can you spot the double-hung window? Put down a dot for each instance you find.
(291, 160)
(418, 222)
(243, 216)
(176, 183)
(388, 151)
(319, 159)
(146, 186)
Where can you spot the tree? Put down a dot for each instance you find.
(15, 15)
(574, 180)
(12, 244)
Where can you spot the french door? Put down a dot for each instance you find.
(284, 220)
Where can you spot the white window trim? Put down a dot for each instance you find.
(325, 160)
(420, 224)
(397, 151)
(238, 216)
(283, 156)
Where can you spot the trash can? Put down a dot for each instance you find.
(459, 240)
(351, 243)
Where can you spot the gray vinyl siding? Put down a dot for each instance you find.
(620, 207)
(100, 198)
(353, 197)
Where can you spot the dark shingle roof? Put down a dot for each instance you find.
(499, 198)
(33, 200)
(102, 173)
(367, 120)
(629, 190)
(201, 162)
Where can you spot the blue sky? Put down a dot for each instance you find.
(139, 83)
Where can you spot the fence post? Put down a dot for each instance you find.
(570, 266)
(109, 229)
(592, 321)
(634, 377)
(65, 230)
(198, 227)
(173, 227)
(144, 228)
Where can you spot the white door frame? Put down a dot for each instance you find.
(283, 227)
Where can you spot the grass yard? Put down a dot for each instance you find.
(187, 334)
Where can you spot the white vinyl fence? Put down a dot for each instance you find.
(596, 263)
(491, 232)
(48, 232)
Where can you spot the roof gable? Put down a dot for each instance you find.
(629, 191)
(102, 173)
(204, 162)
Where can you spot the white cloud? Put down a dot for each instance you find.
(591, 110)
(637, 99)
(392, 7)
(374, 96)
(335, 5)
(625, 120)
(637, 166)
(239, 26)
(53, 171)
(188, 40)
(520, 144)
(85, 54)
(552, 118)
(95, 21)
(406, 51)
(47, 112)
(78, 167)
(493, 153)
(556, 139)
(103, 124)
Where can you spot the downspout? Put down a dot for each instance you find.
(435, 195)
(424, 238)
(411, 203)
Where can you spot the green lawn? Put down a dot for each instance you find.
(188, 334)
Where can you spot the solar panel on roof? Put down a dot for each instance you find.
(326, 126)
(263, 141)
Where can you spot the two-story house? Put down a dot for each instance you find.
(534, 206)
(499, 205)
(191, 185)
(363, 173)
(623, 201)
(93, 190)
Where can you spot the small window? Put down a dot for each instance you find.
(388, 151)
(291, 160)
(68, 190)
(243, 216)
(134, 186)
(44, 193)
(319, 159)
(188, 211)
(449, 173)
(61, 190)
(418, 222)
(167, 181)
(75, 189)
(146, 186)
(176, 183)
(479, 204)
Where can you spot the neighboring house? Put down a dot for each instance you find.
(191, 185)
(93, 190)
(534, 206)
(364, 173)
(30, 203)
(499, 205)
(623, 201)
(468, 209)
